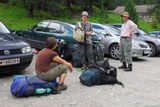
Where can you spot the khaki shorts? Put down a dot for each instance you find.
(54, 72)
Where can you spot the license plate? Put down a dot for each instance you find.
(147, 52)
(9, 61)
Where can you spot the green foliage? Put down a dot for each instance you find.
(15, 17)
(100, 15)
(147, 26)
(154, 21)
(130, 8)
(114, 18)
(18, 3)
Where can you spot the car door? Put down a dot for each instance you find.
(34, 34)
(52, 30)
(57, 30)
(36, 37)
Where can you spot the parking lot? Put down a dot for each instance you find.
(141, 89)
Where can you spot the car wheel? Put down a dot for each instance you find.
(113, 51)
(153, 49)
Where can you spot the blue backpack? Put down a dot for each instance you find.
(24, 86)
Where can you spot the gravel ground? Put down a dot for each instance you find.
(142, 89)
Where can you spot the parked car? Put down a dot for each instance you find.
(140, 34)
(38, 34)
(111, 37)
(15, 53)
(155, 34)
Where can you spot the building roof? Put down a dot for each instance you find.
(139, 9)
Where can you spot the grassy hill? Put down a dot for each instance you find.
(15, 17)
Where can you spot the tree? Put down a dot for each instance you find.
(155, 10)
(154, 21)
(130, 8)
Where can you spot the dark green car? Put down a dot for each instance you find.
(37, 35)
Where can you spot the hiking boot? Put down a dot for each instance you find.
(84, 67)
(129, 68)
(61, 87)
(124, 66)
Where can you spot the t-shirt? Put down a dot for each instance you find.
(44, 59)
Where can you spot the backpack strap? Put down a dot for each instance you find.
(79, 24)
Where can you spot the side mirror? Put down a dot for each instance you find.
(29, 28)
(137, 34)
(12, 30)
(105, 34)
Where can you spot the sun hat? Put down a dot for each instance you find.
(126, 14)
(84, 13)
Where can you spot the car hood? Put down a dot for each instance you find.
(146, 38)
(135, 40)
(8, 41)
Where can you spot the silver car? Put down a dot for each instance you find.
(111, 38)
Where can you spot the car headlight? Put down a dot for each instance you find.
(26, 49)
(135, 46)
(158, 40)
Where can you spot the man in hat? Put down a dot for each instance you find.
(86, 49)
(125, 45)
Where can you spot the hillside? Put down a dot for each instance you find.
(15, 17)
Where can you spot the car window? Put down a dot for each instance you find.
(118, 26)
(62, 29)
(55, 28)
(97, 27)
(38, 28)
(158, 34)
(153, 34)
(3, 28)
(113, 30)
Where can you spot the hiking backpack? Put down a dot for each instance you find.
(24, 86)
(100, 74)
(98, 52)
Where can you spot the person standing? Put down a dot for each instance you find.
(125, 45)
(49, 65)
(86, 49)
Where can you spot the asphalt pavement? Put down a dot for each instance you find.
(142, 89)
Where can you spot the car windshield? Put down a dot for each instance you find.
(71, 25)
(3, 28)
(113, 30)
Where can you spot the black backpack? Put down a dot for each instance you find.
(100, 74)
(98, 52)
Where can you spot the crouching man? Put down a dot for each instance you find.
(49, 65)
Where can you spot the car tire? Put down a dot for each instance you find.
(153, 49)
(113, 51)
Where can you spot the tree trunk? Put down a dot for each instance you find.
(41, 7)
(30, 10)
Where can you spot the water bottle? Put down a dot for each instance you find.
(49, 90)
(40, 90)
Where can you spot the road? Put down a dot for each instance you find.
(142, 89)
